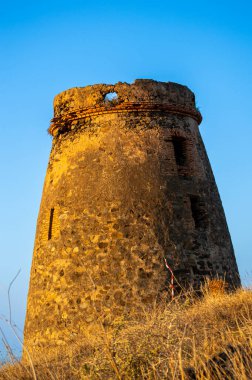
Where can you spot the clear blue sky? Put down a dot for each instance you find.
(50, 46)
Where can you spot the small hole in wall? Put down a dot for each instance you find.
(110, 97)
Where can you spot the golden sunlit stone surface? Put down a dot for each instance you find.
(128, 184)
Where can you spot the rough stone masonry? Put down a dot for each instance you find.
(128, 185)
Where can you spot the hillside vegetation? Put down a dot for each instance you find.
(191, 337)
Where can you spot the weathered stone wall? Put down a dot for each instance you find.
(128, 184)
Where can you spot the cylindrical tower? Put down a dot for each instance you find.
(128, 185)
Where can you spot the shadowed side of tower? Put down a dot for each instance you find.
(128, 185)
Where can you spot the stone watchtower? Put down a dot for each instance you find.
(128, 184)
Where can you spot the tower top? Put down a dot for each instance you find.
(141, 95)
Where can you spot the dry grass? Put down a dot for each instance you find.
(189, 338)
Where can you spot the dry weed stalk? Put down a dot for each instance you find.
(12, 326)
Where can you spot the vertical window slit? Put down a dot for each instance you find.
(198, 211)
(50, 224)
(179, 146)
